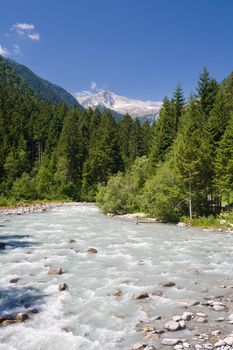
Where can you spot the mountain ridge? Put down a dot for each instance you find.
(43, 88)
(121, 105)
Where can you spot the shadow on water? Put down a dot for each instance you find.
(17, 241)
(14, 299)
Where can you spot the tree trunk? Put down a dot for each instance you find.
(190, 199)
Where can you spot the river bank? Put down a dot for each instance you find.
(34, 207)
(207, 224)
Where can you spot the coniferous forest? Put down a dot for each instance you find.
(180, 166)
(188, 171)
(55, 151)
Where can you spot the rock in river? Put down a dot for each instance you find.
(62, 287)
(170, 341)
(172, 326)
(55, 271)
(167, 284)
(142, 295)
(21, 317)
(92, 250)
(117, 293)
(14, 280)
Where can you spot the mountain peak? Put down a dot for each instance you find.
(143, 110)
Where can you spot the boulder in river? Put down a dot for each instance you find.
(141, 295)
(229, 340)
(92, 250)
(71, 241)
(117, 293)
(172, 326)
(62, 287)
(219, 307)
(167, 284)
(170, 341)
(55, 271)
(21, 317)
(14, 280)
(187, 316)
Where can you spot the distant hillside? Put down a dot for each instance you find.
(10, 81)
(43, 88)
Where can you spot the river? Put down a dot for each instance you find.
(130, 257)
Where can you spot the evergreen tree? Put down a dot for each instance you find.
(207, 91)
(104, 156)
(68, 167)
(224, 164)
(179, 104)
(163, 133)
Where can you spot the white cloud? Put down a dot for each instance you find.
(25, 30)
(34, 36)
(23, 26)
(4, 51)
(93, 85)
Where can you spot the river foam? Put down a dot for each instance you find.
(133, 258)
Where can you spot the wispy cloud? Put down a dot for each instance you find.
(34, 36)
(4, 51)
(23, 26)
(93, 85)
(25, 30)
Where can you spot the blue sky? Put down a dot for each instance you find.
(136, 48)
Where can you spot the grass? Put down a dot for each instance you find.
(223, 221)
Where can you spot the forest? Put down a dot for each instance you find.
(182, 165)
(188, 171)
(55, 151)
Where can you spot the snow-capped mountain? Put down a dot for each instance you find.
(143, 110)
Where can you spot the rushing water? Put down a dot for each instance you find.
(130, 257)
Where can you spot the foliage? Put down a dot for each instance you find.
(190, 170)
(123, 193)
(61, 151)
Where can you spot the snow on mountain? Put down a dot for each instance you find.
(143, 110)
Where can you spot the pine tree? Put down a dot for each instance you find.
(163, 134)
(224, 164)
(207, 91)
(179, 104)
(68, 173)
(104, 157)
(192, 153)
